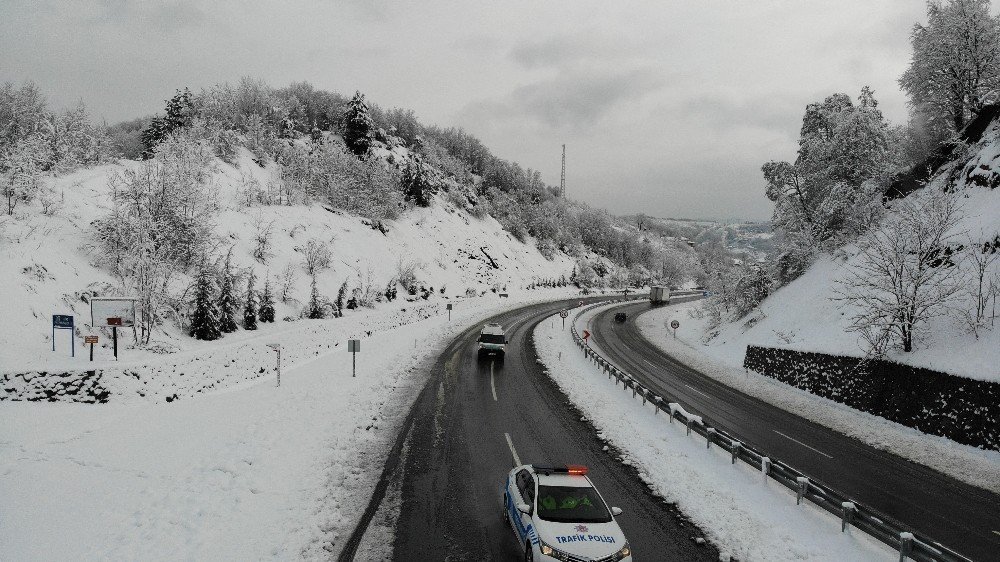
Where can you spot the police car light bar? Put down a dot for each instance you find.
(574, 469)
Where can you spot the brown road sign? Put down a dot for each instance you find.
(90, 339)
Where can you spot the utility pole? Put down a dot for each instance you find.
(562, 179)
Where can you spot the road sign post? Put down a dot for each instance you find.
(563, 314)
(449, 311)
(91, 340)
(277, 347)
(64, 322)
(354, 346)
(675, 324)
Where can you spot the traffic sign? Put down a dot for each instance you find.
(63, 322)
(586, 335)
(90, 339)
(675, 324)
(354, 346)
(563, 313)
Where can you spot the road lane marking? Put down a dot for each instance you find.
(492, 386)
(648, 362)
(698, 391)
(997, 532)
(803, 444)
(517, 459)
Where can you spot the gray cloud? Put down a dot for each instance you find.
(573, 100)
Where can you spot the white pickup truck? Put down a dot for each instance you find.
(492, 341)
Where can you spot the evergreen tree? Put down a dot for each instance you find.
(179, 113)
(390, 290)
(352, 303)
(358, 126)
(416, 188)
(227, 297)
(314, 309)
(266, 312)
(250, 308)
(205, 320)
(341, 294)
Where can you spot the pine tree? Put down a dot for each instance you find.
(266, 312)
(250, 308)
(227, 297)
(314, 309)
(341, 294)
(205, 320)
(179, 113)
(416, 188)
(390, 291)
(358, 126)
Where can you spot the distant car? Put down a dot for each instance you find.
(558, 515)
(492, 341)
(621, 317)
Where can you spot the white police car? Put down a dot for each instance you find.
(557, 514)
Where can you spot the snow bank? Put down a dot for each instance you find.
(745, 514)
(724, 363)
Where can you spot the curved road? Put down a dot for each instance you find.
(457, 452)
(963, 517)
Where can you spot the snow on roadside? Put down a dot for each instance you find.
(968, 464)
(746, 515)
(255, 472)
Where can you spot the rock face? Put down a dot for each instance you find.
(67, 386)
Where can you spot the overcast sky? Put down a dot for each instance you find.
(666, 107)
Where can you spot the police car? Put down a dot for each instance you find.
(557, 514)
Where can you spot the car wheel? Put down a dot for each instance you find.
(529, 555)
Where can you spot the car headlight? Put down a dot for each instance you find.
(622, 554)
(552, 552)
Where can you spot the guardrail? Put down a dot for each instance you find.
(909, 544)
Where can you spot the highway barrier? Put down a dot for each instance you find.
(909, 544)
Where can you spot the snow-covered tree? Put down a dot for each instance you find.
(205, 318)
(904, 275)
(341, 297)
(227, 296)
(317, 257)
(179, 113)
(358, 125)
(250, 304)
(266, 312)
(955, 65)
(416, 185)
(21, 166)
(315, 309)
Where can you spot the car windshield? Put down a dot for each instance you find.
(491, 338)
(569, 504)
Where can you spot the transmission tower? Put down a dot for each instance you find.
(562, 179)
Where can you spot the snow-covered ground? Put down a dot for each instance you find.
(725, 363)
(745, 515)
(252, 472)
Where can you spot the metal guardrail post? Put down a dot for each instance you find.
(735, 449)
(803, 483)
(848, 510)
(905, 545)
(689, 426)
(765, 466)
(709, 435)
(656, 402)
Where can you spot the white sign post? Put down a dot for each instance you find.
(563, 314)
(354, 346)
(449, 312)
(277, 347)
(675, 324)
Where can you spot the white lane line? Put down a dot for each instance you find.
(803, 444)
(997, 532)
(648, 362)
(696, 390)
(492, 386)
(517, 459)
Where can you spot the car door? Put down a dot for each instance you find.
(526, 488)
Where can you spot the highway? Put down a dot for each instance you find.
(461, 438)
(961, 516)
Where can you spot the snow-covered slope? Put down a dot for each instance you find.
(803, 315)
(49, 261)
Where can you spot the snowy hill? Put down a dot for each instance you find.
(50, 261)
(805, 315)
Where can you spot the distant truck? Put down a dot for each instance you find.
(659, 295)
(492, 341)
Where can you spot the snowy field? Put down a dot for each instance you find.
(251, 472)
(745, 515)
(724, 362)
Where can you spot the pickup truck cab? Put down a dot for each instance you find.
(492, 341)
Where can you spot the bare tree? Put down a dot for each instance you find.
(904, 275)
(318, 257)
(982, 286)
(262, 240)
(287, 282)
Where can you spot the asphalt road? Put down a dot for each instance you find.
(456, 455)
(963, 517)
